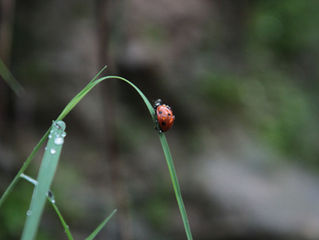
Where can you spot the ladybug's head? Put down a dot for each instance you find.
(157, 103)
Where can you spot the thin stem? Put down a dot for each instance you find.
(176, 186)
(29, 179)
(102, 224)
(65, 226)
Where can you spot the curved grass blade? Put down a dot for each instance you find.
(169, 161)
(46, 173)
(9, 79)
(163, 141)
(51, 199)
(102, 224)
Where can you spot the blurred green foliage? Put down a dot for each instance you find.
(13, 213)
(275, 88)
(272, 105)
(287, 28)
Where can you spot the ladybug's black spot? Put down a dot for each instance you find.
(163, 123)
(169, 114)
(160, 112)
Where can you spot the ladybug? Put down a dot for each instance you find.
(164, 116)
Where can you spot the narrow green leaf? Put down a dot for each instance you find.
(51, 199)
(167, 155)
(98, 74)
(9, 79)
(169, 161)
(23, 168)
(64, 112)
(46, 173)
(102, 224)
(163, 141)
(176, 186)
(64, 225)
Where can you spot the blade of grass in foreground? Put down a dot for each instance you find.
(64, 112)
(46, 173)
(176, 186)
(23, 168)
(102, 224)
(51, 199)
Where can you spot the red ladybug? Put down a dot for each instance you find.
(164, 115)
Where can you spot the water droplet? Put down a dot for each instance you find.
(52, 151)
(63, 134)
(60, 124)
(53, 200)
(29, 212)
(50, 136)
(46, 148)
(58, 141)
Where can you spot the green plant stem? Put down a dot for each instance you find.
(65, 226)
(102, 224)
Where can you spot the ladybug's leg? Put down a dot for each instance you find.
(157, 128)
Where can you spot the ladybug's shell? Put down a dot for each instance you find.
(165, 117)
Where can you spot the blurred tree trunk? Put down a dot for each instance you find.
(109, 103)
(6, 23)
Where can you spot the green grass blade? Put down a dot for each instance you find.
(51, 199)
(46, 173)
(23, 168)
(75, 100)
(163, 141)
(9, 79)
(98, 74)
(102, 224)
(176, 186)
(64, 112)
(64, 225)
(146, 101)
(169, 161)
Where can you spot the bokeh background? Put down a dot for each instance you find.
(242, 79)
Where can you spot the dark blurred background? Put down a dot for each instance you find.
(242, 79)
